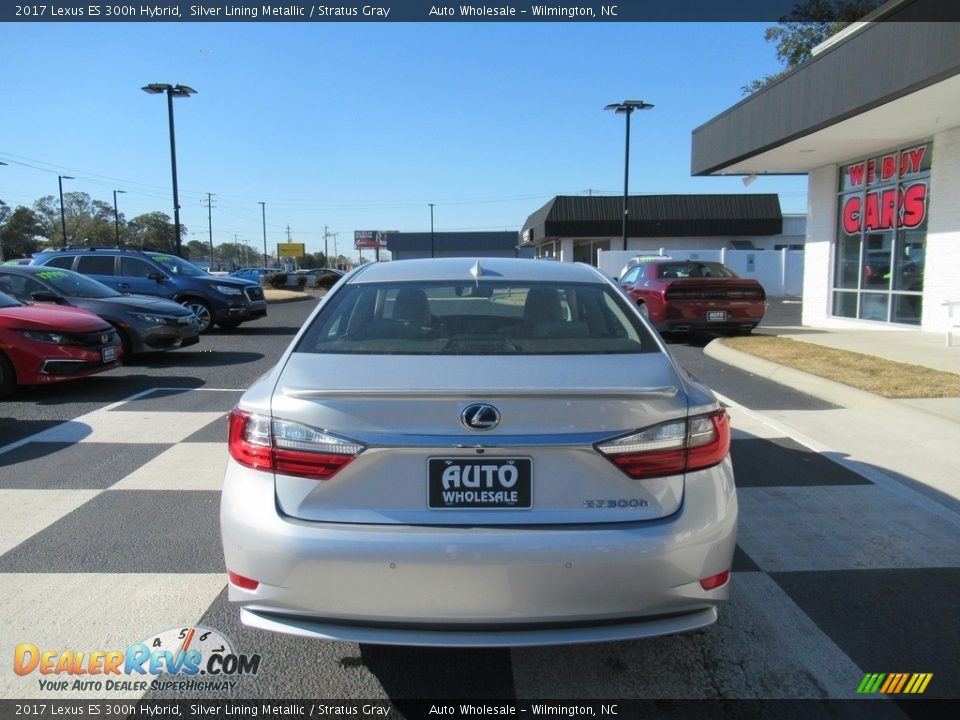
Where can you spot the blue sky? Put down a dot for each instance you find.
(360, 126)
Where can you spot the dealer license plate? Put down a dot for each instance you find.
(716, 315)
(109, 354)
(479, 484)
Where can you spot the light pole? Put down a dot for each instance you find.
(63, 215)
(210, 226)
(627, 107)
(116, 214)
(172, 91)
(432, 249)
(263, 211)
(1, 237)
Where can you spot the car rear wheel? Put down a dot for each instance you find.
(642, 307)
(201, 310)
(8, 377)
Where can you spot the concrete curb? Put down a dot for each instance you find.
(284, 300)
(819, 387)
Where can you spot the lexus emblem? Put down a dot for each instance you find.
(480, 417)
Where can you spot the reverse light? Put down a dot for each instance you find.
(673, 447)
(286, 447)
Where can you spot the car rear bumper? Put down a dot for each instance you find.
(473, 586)
(676, 317)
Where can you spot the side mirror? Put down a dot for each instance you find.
(159, 277)
(46, 296)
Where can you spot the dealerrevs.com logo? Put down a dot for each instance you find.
(188, 658)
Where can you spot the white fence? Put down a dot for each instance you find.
(779, 271)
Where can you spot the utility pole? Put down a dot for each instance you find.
(210, 225)
(326, 248)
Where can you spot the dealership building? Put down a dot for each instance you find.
(873, 120)
(574, 228)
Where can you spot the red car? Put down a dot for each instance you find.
(683, 295)
(42, 344)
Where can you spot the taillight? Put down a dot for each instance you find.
(673, 447)
(672, 293)
(288, 448)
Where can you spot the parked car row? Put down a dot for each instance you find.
(76, 311)
(324, 278)
(42, 344)
(225, 301)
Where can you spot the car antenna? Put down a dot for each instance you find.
(476, 271)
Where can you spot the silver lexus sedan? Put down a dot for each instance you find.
(478, 453)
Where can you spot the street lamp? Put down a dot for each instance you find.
(116, 214)
(431, 231)
(63, 215)
(627, 107)
(263, 211)
(172, 91)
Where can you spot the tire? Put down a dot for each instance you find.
(644, 310)
(229, 324)
(743, 331)
(125, 341)
(8, 377)
(201, 310)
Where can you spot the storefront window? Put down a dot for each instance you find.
(881, 238)
(547, 250)
(585, 251)
(845, 304)
(847, 271)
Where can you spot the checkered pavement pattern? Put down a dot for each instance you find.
(109, 534)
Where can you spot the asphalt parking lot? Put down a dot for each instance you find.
(108, 504)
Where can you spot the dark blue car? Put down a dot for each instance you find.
(226, 301)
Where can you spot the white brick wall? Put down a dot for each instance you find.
(941, 280)
(818, 249)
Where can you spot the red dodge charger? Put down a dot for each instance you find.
(683, 295)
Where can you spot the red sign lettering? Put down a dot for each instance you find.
(851, 215)
(910, 160)
(913, 207)
(890, 167)
(856, 174)
(885, 209)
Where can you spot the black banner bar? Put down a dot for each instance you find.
(418, 11)
(862, 709)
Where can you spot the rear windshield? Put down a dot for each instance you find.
(467, 319)
(691, 269)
